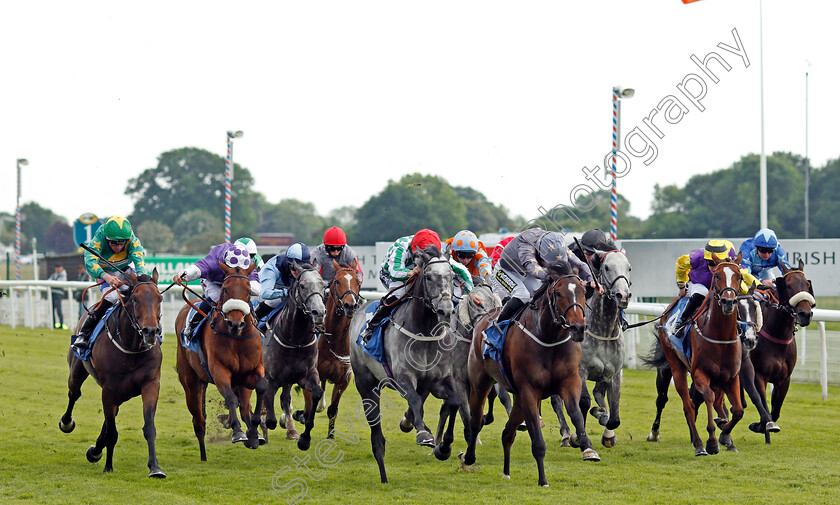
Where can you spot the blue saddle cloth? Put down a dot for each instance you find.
(374, 347)
(85, 354)
(494, 340)
(262, 324)
(192, 343)
(680, 340)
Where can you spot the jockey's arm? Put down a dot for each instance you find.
(747, 280)
(683, 267)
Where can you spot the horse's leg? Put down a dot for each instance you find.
(613, 391)
(408, 386)
(491, 397)
(149, 393)
(194, 391)
(260, 386)
(663, 382)
(480, 386)
(300, 415)
(310, 383)
(249, 417)
(268, 404)
(109, 435)
(76, 378)
(515, 418)
(338, 390)
(286, 407)
(222, 378)
(570, 389)
(368, 390)
(747, 379)
(733, 392)
(701, 384)
(681, 385)
(453, 398)
(777, 398)
(323, 403)
(529, 403)
(565, 432)
(599, 412)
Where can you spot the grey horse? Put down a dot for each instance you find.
(413, 349)
(602, 349)
(290, 354)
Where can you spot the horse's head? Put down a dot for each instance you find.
(435, 281)
(344, 289)
(795, 291)
(308, 294)
(235, 297)
(566, 298)
(614, 275)
(482, 301)
(143, 307)
(726, 283)
(749, 313)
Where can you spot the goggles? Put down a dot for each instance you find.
(765, 250)
(118, 242)
(334, 248)
(464, 255)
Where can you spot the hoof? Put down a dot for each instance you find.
(292, 435)
(608, 441)
(757, 427)
(443, 452)
(541, 485)
(271, 423)
(522, 427)
(488, 419)
(252, 444)
(506, 476)
(731, 448)
(573, 440)
(720, 421)
(542, 423)
(591, 455)
(406, 426)
(322, 404)
(91, 456)
(303, 443)
(466, 461)
(108, 469)
(225, 420)
(712, 448)
(157, 473)
(238, 436)
(564, 442)
(67, 428)
(700, 452)
(261, 439)
(298, 416)
(654, 437)
(425, 438)
(772, 427)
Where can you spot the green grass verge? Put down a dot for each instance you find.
(39, 464)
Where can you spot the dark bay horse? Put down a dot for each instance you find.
(775, 355)
(233, 352)
(541, 357)
(291, 353)
(417, 363)
(715, 360)
(602, 349)
(334, 344)
(126, 361)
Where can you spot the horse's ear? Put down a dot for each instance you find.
(132, 276)
(335, 264)
(811, 290)
(251, 268)
(739, 257)
(781, 290)
(597, 259)
(801, 265)
(154, 275)
(752, 289)
(225, 268)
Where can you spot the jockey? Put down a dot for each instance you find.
(277, 278)
(212, 277)
(335, 248)
(591, 241)
(694, 278)
(398, 267)
(761, 254)
(470, 252)
(115, 242)
(251, 247)
(522, 267)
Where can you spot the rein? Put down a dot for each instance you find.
(553, 311)
(132, 318)
(288, 314)
(339, 307)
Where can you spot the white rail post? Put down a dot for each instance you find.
(823, 361)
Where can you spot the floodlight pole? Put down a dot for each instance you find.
(21, 162)
(229, 178)
(618, 94)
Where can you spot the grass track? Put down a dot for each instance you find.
(39, 464)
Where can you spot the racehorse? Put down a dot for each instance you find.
(127, 364)
(234, 360)
(334, 344)
(413, 350)
(602, 349)
(291, 354)
(775, 354)
(541, 357)
(715, 359)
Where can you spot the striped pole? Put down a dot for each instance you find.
(228, 177)
(20, 162)
(614, 196)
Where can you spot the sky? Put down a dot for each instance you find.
(511, 98)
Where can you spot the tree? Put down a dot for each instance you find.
(59, 238)
(189, 179)
(482, 215)
(201, 244)
(196, 222)
(293, 216)
(592, 211)
(35, 220)
(156, 236)
(414, 202)
(825, 206)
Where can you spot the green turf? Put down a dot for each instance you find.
(39, 464)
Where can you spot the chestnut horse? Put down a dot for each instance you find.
(233, 349)
(775, 355)
(541, 356)
(334, 344)
(715, 360)
(127, 364)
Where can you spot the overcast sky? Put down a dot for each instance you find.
(511, 98)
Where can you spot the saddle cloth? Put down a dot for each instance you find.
(85, 354)
(374, 347)
(679, 340)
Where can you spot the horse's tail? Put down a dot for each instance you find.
(655, 358)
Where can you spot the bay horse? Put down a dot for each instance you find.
(715, 359)
(291, 353)
(602, 349)
(334, 344)
(125, 364)
(231, 343)
(417, 363)
(541, 356)
(775, 354)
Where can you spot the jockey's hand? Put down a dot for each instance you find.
(179, 278)
(769, 282)
(414, 271)
(112, 280)
(682, 292)
(595, 285)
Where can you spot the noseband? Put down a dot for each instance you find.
(608, 286)
(718, 293)
(132, 318)
(220, 305)
(560, 319)
(339, 307)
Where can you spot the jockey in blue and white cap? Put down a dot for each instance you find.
(761, 254)
(277, 277)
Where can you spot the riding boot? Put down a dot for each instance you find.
(510, 309)
(384, 310)
(196, 319)
(690, 308)
(83, 337)
(262, 310)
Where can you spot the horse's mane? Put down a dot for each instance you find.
(561, 268)
(432, 250)
(144, 278)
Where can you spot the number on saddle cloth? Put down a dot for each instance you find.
(85, 354)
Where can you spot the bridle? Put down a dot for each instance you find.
(608, 286)
(429, 301)
(339, 306)
(132, 318)
(718, 293)
(300, 303)
(557, 318)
